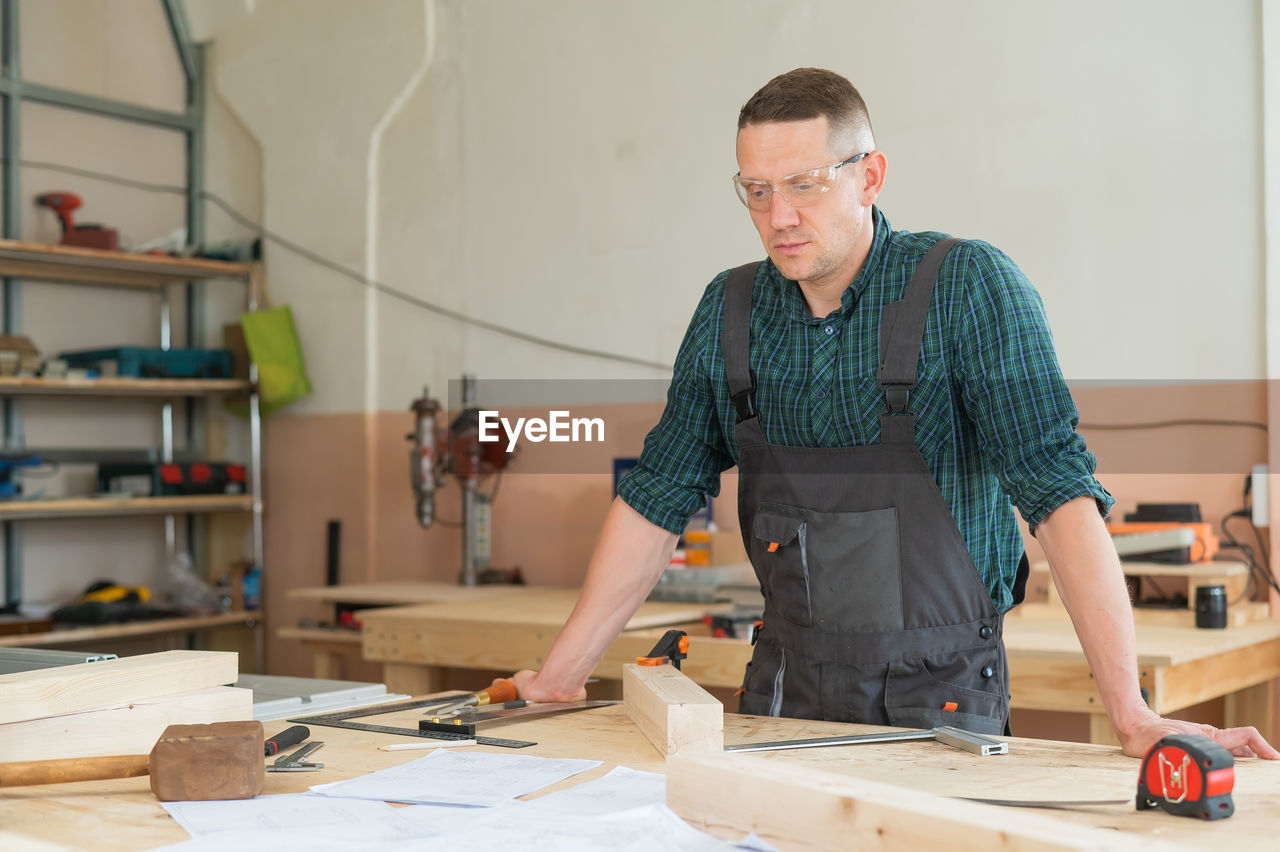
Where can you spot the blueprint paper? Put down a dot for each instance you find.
(449, 778)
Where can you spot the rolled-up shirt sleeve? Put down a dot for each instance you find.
(1015, 394)
(686, 452)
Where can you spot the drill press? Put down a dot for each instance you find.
(458, 451)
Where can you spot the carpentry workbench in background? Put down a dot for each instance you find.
(123, 815)
(482, 627)
(1179, 666)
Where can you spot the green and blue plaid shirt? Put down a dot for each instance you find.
(994, 419)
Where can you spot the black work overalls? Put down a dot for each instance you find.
(874, 610)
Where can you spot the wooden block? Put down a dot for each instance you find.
(111, 683)
(195, 763)
(131, 728)
(802, 807)
(673, 712)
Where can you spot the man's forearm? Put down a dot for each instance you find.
(1087, 573)
(628, 560)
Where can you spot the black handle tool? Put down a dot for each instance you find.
(284, 739)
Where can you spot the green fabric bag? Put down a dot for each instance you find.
(272, 341)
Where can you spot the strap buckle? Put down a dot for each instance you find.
(744, 401)
(897, 400)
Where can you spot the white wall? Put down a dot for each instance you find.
(564, 168)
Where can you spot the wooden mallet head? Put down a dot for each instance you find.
(221, 760)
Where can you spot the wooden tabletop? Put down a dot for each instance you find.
(1158, 645)
(377, 594)
(122, 815)
(543, 606)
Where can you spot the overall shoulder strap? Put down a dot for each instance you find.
(901, 333)
(736, 338)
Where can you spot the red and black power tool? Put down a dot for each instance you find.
(87, 236)
(1188, 775)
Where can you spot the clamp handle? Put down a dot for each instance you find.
(671, 648)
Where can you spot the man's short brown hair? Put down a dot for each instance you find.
(804, 94)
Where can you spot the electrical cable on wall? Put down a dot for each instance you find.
(346, 272)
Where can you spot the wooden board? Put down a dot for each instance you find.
(535, 605)
(403, 593)
(807, 808)
(503, 646)
(110, 683)
(131, 728)
(673, 712)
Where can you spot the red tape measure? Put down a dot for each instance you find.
(1188, 775)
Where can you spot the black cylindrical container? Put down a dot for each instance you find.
(1211, 607)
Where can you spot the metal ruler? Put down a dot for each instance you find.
(343, 720)
(954, 737)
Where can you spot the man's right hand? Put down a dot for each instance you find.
(529, 688)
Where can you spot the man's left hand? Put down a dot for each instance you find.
(1241, 742)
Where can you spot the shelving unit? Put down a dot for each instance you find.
(34, 263)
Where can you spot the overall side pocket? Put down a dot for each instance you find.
(778, 553)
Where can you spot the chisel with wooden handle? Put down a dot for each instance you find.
(501, 691)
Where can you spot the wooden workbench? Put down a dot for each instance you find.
(122, 815)
(481, 627)
(414, 642)
(1179, 666)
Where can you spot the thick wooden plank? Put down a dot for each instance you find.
(400, 593)
(543, 606)
(131, 728)
(509, 647)
(673, 712)
(805, 808)
(89, 686)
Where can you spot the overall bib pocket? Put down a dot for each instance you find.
(834, 571)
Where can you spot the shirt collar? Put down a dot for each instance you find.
(793, 299)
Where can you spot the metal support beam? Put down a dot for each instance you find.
(93, 104)
(173, 10)
(11, 143)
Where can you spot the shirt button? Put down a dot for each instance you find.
(829, 330)
(987, 671)
(821, 394)
(985, 632)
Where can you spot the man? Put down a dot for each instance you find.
(885, 395)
